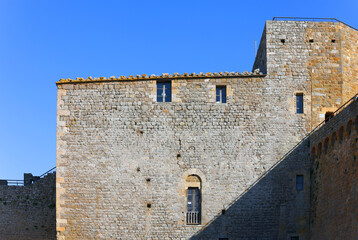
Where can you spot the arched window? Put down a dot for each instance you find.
(193, 200)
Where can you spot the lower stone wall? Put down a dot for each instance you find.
(334, 177)
(29, 212)
(272, 208)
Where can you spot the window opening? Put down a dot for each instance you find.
(295, 238)
(333, 40)
(283, 41)
(299, 103)
(328, 116)
(299, 182)
(164, 91)
(221, 94)
(193, 214)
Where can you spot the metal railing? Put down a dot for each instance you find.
(193, 218)
(10, 182)
(312, 20)
(47, 172)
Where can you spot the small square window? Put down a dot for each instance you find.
(299, 103)
(299, 182)
(221, 94)
(164, 91)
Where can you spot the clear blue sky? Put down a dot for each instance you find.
(43, 41)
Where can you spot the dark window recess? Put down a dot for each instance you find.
(299, 182)
(299, 103)
(221, 94)
(333, 40)
(283, 41)
(223, 239)
(328, 116)
(311, 40)
(193, 214)
(149, 205)
(164, 91)
(295, 238)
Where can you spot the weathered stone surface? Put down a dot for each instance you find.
(334, 153)
(112, 136)
(28, 212)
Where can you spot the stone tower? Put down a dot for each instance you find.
(202, 156)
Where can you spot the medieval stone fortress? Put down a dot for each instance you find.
(223, 155)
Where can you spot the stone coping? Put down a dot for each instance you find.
(164, 76)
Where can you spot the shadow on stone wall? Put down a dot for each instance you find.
(271, 208)
(29, 212)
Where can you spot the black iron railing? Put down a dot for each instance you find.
(29, 181)
(311, 20)
(9, 182)
(193, 218)
(51, 170)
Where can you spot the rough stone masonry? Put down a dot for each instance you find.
(126, 162)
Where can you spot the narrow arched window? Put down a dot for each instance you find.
(193, 200)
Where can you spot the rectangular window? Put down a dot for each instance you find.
(299, 182)
(193, 215)
(221, 94)
(164, 91)
(295, 238)
(299, 103)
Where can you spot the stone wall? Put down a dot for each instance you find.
(261, 55)
(349, 62)
(28, 212)
(112, 136)
(335, 177)
(319, 58)
(123, 158)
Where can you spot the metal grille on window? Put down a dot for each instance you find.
(221, 94)
(299, 103)
(193, 215)
(164, 91)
